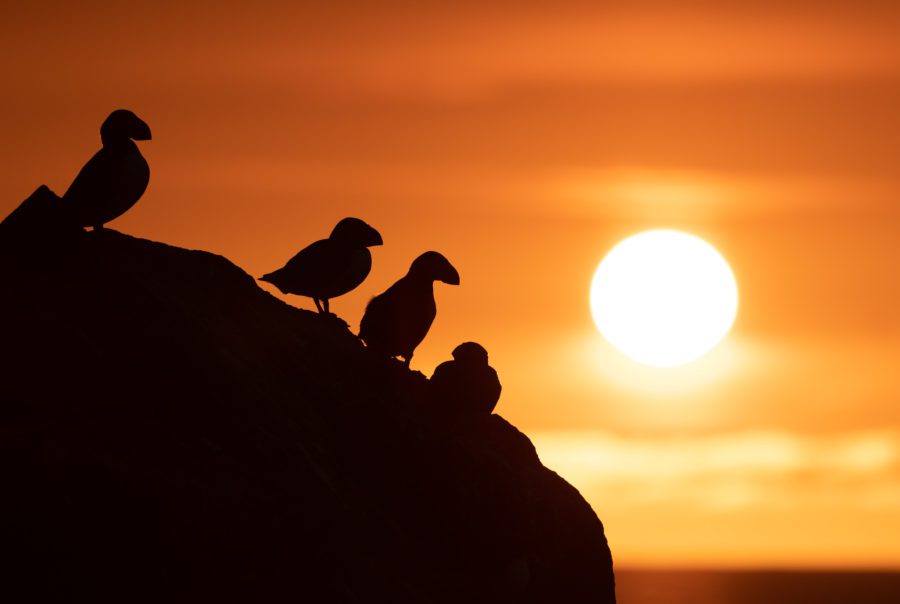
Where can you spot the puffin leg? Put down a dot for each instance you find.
(318, 305)
(406, 359)
(325, 305)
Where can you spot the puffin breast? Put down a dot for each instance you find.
(350, 268)
(128, 175)
(136, 176)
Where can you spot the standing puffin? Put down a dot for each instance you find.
(116, 177)
(467, 386)
(329, 267)
(397, 321)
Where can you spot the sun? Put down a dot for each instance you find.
(664, 297)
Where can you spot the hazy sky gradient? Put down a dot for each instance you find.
(523, 143)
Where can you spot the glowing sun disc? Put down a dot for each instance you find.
(663, 297)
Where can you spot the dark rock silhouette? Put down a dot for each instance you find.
(465, 388)
(41, 208)
(171, 432)
(329, 267)
(396, 321)
(37, 226)
(115, 178)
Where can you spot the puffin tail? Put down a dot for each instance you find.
(271, 278)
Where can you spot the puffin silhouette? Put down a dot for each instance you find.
(329, 267)
(396, 321)
(467, 386)
(115, 178)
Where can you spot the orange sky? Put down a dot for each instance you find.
(523, 143)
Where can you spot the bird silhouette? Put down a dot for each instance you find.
(329, 267)
(396, 321)
(115, 178)
(466, 387)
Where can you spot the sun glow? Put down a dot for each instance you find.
(664, 298)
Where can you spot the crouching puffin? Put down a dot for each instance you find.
(396, 321)
(115, 178)
(329, 267)
(466, 387)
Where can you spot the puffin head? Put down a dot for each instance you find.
(122, 125)
(434, 267)
(470, 353)
(355, 232)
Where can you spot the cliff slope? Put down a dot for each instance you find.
(170, 431)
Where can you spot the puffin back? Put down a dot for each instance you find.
(375, 323)
(304, 272)
(89, 184)
(109, 184)
(444, 388)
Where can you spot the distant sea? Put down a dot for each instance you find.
(756, 587)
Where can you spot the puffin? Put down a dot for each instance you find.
(396, 321)
(466, 387)
(329, 267)
(115, 178)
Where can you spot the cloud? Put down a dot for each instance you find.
(667, 194)
(763, 498)
(731, 470)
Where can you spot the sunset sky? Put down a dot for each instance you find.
(523, 143)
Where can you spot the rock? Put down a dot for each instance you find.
(170, 431)
(35, 230)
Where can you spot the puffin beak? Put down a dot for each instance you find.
(141, 132)
(450, 276)
(374, 238)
